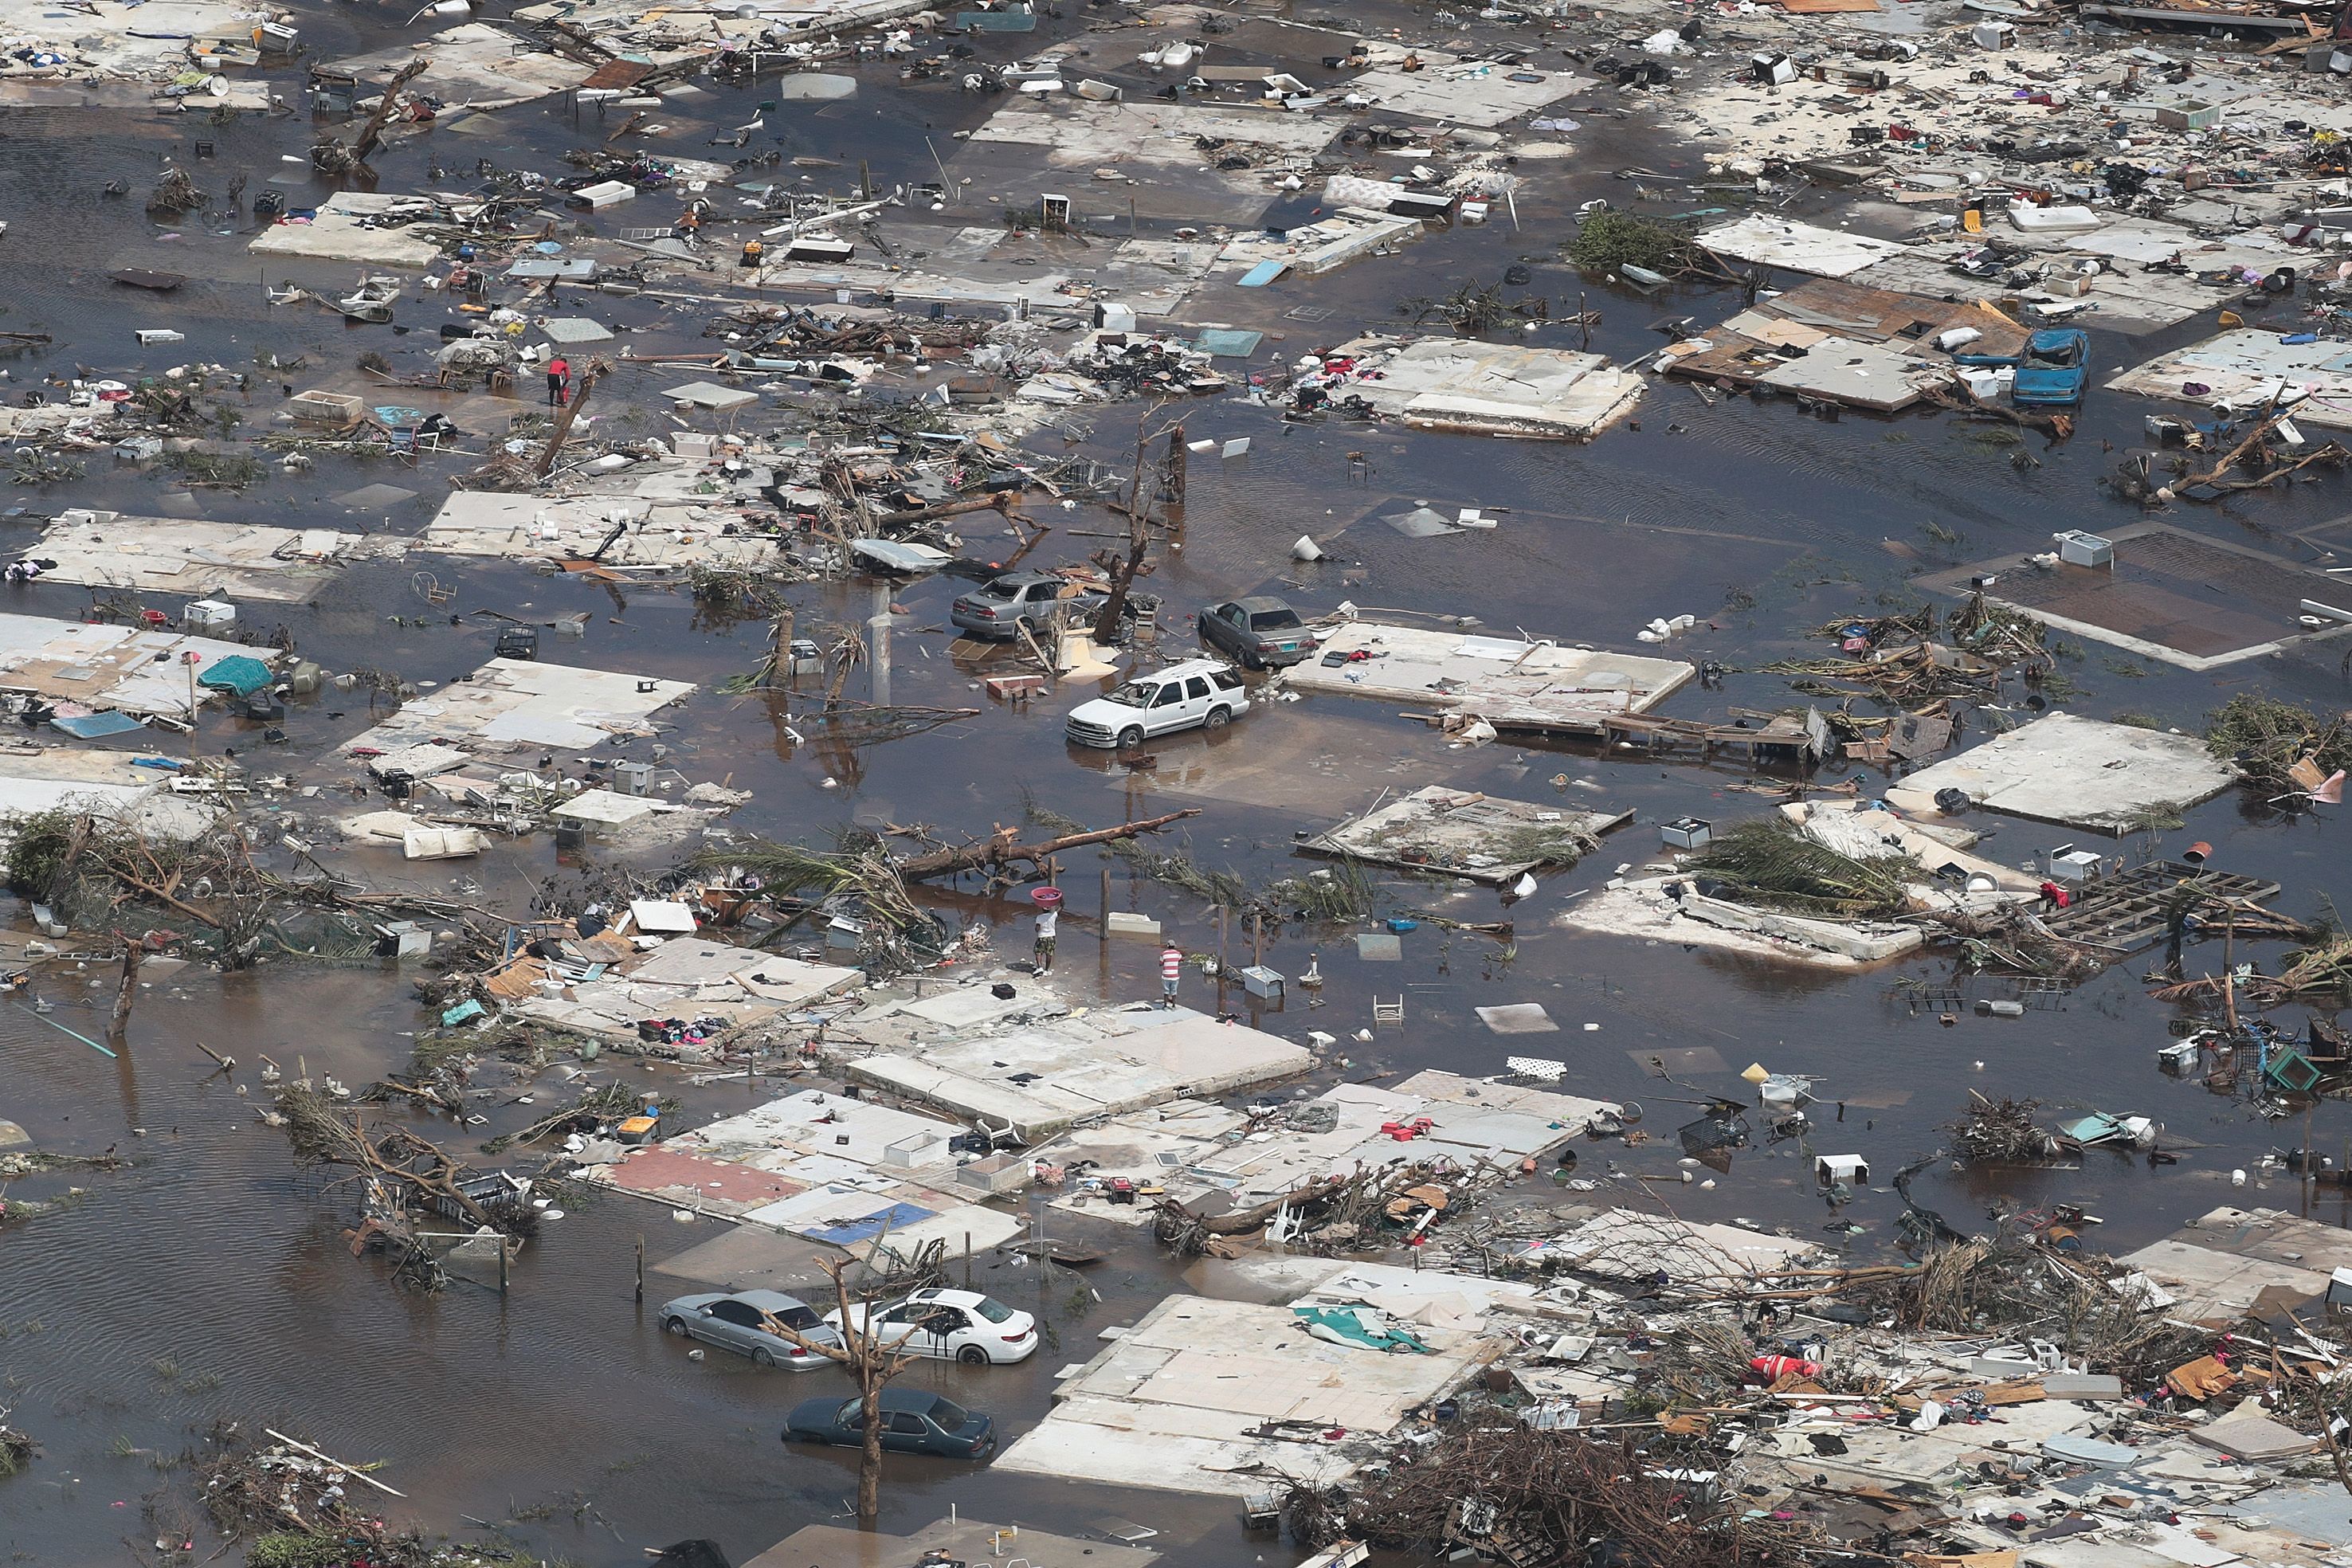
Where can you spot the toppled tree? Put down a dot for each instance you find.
(174, 193)
(1605, 241)
(1774, 863)
(594, 1109)
(2000, 1132)
(2319, 975)
(2014, 1285)
(403, 1178)
(1476, 308)
(204, 890)
(2264, 739)
(1495, 1484)
(16, 1450)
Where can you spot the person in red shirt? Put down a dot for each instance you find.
(559, 381)
(1171, 965)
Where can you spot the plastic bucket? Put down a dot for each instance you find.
(1046, 898)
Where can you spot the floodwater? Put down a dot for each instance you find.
(209, 1282)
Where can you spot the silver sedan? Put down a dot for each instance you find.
(747, 1322)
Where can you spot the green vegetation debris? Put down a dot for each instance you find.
(1607, 240)
(2264, 738)
(1772, 863)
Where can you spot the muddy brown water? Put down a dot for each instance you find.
(208, 1281)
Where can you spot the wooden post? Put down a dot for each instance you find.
(1583, 319)
(502, 1266)
(1220, 958)
(641, 1267)
(119, 1029)
(967, 1260)
(2229, 972)
(1105, 933)
(1178, 453)
(779, 650)
(2310, 1183)
(1257, 938)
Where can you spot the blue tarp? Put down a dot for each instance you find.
(236, 673)
(96, 726)
(1264, 273)
(845, 1232)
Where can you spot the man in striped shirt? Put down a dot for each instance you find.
(1171, 965)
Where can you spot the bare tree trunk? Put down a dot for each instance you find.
(119, 1028)
(869, 1464)
(1138, 540)
(1002, 849)
(871, 1365)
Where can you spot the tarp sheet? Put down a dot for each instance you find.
(96, 726)
(236, 673)
(1359, 1326)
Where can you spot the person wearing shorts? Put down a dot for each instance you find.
(1171, 965)
(1042, 959)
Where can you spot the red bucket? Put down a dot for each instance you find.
(1046, 898)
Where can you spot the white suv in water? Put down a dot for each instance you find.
(1198, 692)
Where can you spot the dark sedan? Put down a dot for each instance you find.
(1256, 634)
(913, 1422)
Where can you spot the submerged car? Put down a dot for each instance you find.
(913, 1422)
(953, 1325)
(993, 609)
(1256, 634)
(2051, 372)
(1198, 692)
(746, 1322)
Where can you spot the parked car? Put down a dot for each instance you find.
(953, 1325)
(1256, 634)
(913, 1422)
(2052, 372)
(2056, 368)
(1199, 691)
(991, 609)
(745, 1322)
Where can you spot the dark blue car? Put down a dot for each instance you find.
(913, 1422)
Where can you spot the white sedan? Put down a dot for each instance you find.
(953, 1325)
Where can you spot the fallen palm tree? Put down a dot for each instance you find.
(2319, 975)
(1774, 863)
(596, 1108)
